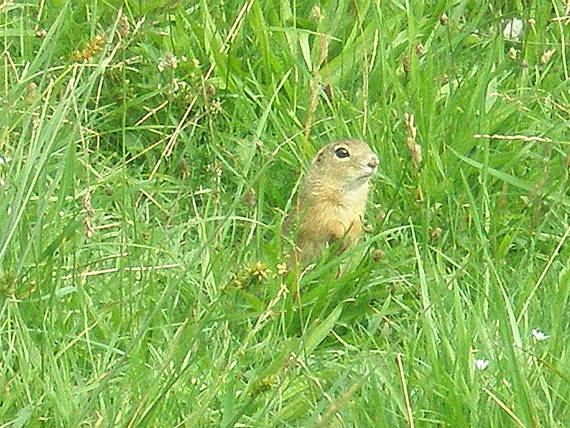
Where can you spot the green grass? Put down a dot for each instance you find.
(141, 209)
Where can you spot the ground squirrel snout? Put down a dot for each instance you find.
(332, 198)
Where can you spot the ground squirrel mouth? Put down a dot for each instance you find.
(366, 175)
(370, 168)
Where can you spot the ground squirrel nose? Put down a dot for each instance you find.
(373, 162)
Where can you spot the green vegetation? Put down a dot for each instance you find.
(150, 150)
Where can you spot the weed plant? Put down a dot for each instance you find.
(150, 151)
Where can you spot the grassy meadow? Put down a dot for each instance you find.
(149, 154)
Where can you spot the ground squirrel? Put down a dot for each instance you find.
(332, 198)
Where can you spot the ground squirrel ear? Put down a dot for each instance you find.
(320, 156)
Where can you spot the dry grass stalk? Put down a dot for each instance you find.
(89, 214)
(324, 41)
(513, 138)
(415, 149)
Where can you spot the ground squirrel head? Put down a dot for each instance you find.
(346, 164)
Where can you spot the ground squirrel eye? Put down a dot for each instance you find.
(341, 152)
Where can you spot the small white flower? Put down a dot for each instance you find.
(2, 160)
(513, 29)
(169, 61)
(539, 335)
(482, 364)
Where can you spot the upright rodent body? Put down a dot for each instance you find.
(332, 198)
